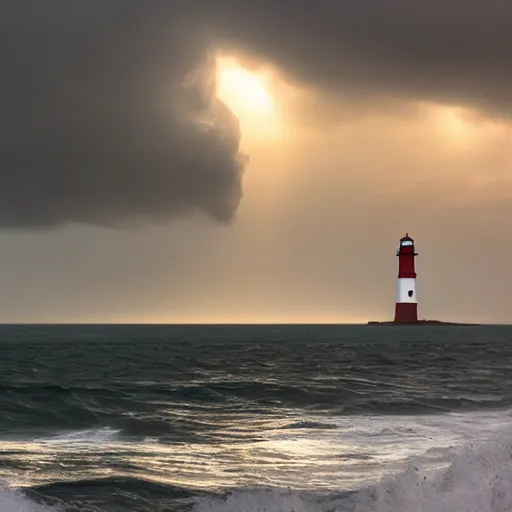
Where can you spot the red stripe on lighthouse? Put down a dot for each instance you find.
(406, 265)
(406, 312)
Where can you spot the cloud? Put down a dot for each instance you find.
(108, 111)
(453, 51)
(109, 117)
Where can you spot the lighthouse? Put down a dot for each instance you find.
(406, 308)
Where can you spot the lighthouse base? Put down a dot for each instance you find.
(406, 312)
(421, 322)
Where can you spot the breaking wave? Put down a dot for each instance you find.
(479, 479)
(86, 436)
(16, 501)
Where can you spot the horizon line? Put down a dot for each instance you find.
(191, 324)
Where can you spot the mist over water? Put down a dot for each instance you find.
(252, 418)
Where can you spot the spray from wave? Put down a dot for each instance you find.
(16, 501)
(479, 479)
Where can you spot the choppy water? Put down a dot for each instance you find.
(254, 418)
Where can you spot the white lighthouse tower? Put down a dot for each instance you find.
(406, 308)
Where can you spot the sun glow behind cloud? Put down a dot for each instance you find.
(462, 129)
(249, 94)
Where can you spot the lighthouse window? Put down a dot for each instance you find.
(406, 242)
(410, 293)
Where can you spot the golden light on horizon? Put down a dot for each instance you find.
(248, 94)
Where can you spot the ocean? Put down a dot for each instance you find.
(271, 418)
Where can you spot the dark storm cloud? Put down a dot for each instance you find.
(454, 51)
(108, 116)
(102, 121)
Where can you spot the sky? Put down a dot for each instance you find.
(253, 161)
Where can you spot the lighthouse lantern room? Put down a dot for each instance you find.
(406, 308)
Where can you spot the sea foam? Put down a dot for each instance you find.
(478, 479)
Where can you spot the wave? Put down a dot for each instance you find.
(90, 436)
(86, 436)
(175, 411)
(479, 479)
(119, 494)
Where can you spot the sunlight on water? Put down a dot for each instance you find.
(347, 452)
